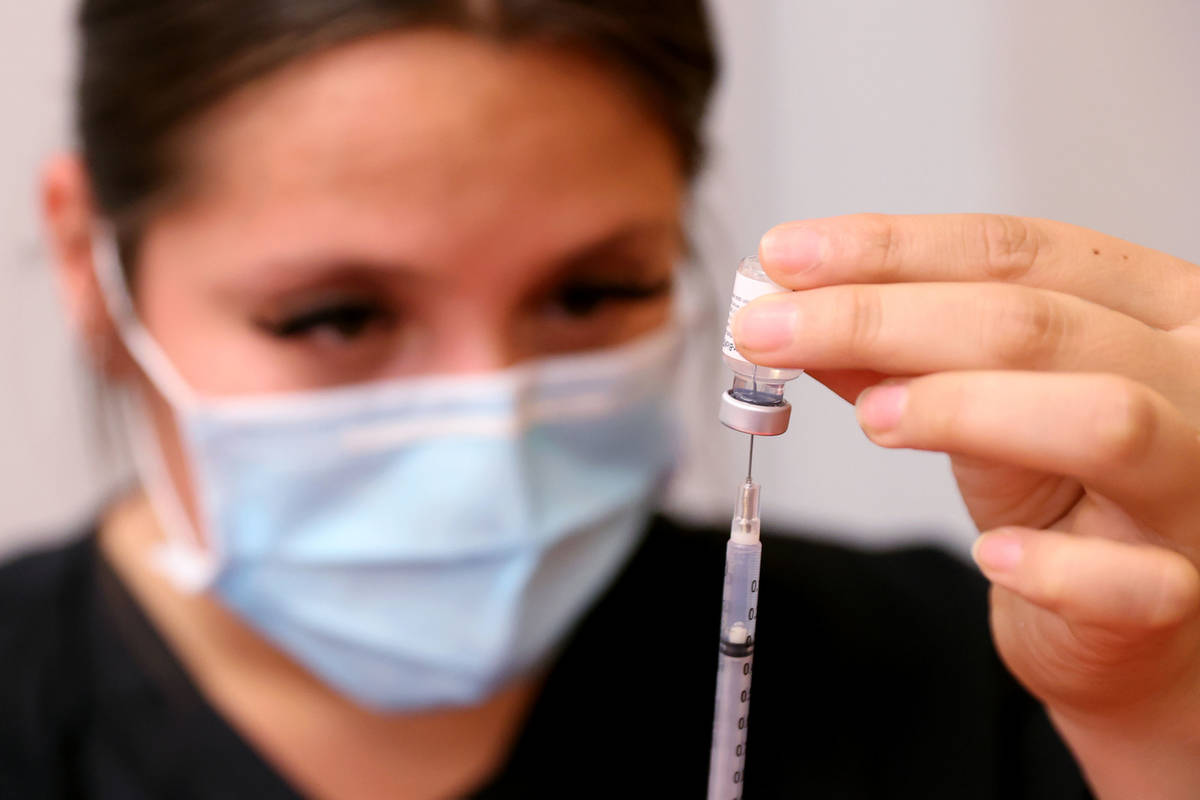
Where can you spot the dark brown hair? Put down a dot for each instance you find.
(148, 67)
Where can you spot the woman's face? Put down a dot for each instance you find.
(413, 203)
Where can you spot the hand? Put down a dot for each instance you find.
(1060, 369)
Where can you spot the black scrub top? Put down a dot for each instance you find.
(874, 677)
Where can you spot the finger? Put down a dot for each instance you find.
(1092, 581)
(1116, 436)
(1156, 288)
(912, 329)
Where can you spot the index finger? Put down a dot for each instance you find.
(1156, 288)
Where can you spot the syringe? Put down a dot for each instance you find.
(735, 663)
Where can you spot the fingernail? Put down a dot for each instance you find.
(881, 407)
(999, 551)
(791, 249)
(765, 325)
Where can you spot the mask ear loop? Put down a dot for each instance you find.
(181, 558)
(145, 351)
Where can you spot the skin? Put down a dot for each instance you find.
(322, 233)
(1057, 368)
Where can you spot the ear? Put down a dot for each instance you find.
(68, 215)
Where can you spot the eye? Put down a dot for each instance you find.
(343, 321)
(582, 298)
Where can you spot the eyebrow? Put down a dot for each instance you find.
(282, 275)
(286, 275)
(627, 237)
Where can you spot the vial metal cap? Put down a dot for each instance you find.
(760, 420)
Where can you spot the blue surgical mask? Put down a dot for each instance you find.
(414, 543)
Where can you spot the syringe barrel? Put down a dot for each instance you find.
(739, 605)
(734, 670)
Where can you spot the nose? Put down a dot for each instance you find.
(475, 348)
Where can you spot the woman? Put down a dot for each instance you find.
(390, 286)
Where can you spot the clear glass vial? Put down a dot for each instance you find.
(755, 403)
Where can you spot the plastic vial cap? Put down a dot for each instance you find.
(760, 420)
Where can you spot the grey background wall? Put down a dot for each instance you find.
(1081, 110)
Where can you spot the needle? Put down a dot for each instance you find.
(750, 463)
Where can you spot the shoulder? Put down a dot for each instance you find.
(918, 603)
(900, 620)
(936, 586)
(42, 632)
(39, 588)
(810, 567)
(882, 658)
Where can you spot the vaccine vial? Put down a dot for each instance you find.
(754, 403)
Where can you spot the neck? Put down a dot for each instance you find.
(319, 741)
